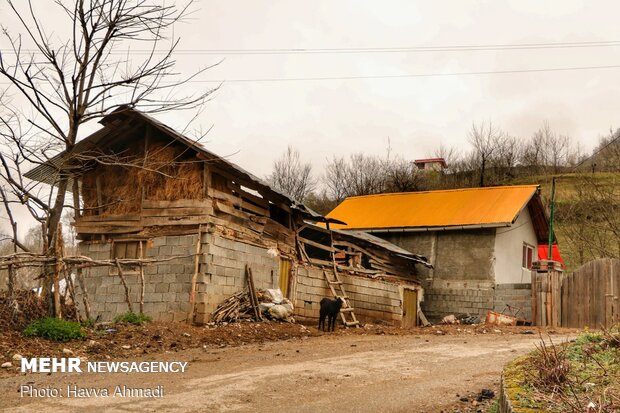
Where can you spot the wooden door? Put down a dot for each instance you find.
(410, 308)
(285, 276)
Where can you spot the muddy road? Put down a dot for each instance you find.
(346, 373)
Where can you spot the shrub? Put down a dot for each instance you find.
(132, 318)
(54, 329)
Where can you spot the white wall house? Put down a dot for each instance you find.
(481, 242)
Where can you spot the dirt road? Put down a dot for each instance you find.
(318, 374)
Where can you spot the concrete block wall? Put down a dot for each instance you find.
(515, 295)
(222, 271)
(167, 284)
(371, 299)
(457, 297)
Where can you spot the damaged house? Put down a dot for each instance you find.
(148, 192)
(481, 242)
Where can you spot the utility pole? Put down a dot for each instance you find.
(550, 255)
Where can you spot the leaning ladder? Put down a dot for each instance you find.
(346, 307)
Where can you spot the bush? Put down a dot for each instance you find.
(132, 318)
(54, 329)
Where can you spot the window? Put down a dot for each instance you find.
(528, 254)
(127, 250)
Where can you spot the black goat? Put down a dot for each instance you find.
(329, 309)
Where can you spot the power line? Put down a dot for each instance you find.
(400, 76)
(412, 75)
(599, 150)
(362, 50)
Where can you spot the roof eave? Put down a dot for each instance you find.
(432, 229)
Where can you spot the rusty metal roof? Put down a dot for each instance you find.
(481, 207)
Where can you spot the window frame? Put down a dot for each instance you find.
(527, 256)
(131, 270)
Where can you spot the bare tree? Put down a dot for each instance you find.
(547, 151)
(449, 154)
(55, 86)
(292, 176)
(483, 138)
(336, 178)
(607, 153)
(359, 175)
(506, 157)
(403, 176)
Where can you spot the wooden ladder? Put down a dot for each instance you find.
(346, 307)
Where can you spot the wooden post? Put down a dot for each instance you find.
(120, 274)
(206, 179)
(11, 284)
(70, 287)
(192, 294)
(57, 270)
(141, 279)
(252, 292)
(80, 278)
(99, 195)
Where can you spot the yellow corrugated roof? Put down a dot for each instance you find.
(471, 206)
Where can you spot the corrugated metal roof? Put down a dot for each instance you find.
(493, 206)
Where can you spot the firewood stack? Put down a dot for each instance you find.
(236, 307)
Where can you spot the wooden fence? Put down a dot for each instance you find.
(546, 298)
(590, 295)
(587, 297)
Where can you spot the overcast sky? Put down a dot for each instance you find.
(326, 117)
(256, 120)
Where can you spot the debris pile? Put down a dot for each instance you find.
(270, 304)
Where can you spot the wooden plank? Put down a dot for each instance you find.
(170, 212)
(164, 221)
(262, 202)
(220, 206)
(316, 244)
(105, 218)
(206, 179)
(109, 223)
(221, 195)
(178, 203)
(319, 262)
(104, 229)
(609, 296)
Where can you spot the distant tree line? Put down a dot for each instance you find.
(494, 157)
(587, 209)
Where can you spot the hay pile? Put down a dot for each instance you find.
(168, 172)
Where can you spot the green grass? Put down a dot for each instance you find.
(132, 318)
(594, 375)
(54, 329)
(494, 408)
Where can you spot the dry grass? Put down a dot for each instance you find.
(569, 377)
(168, 172)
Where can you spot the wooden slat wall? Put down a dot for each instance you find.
(590, 295)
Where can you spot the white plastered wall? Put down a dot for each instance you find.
(509, 250)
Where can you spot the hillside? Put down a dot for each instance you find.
(587, 210)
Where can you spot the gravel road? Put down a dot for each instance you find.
(318, 374)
